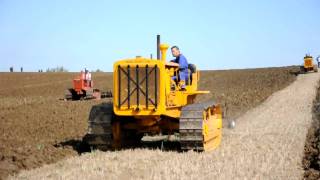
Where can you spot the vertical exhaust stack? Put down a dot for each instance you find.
(158, 47)
(161, 50)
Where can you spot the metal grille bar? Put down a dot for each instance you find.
(137, 85)
(128, 97)
(119, 87)
(147, 85)
(156, 86)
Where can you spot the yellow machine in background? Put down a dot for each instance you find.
(147, 101)
(308, 65)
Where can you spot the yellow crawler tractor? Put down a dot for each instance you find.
(147, 101)
(308, 65)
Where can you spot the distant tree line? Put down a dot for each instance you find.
(99, 70)
(57, 69)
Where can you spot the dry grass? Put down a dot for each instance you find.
(267, 143)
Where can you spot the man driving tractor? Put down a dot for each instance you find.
(183, 66)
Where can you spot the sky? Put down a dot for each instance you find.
(212, 34)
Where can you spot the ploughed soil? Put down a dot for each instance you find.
(37, 128)
(311, 161)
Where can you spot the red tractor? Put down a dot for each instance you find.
(83, 89)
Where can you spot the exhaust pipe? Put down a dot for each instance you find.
(158, 47)
(161, 50)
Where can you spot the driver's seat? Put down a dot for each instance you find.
(192, 69)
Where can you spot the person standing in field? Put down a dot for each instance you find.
(318, 60)
(87, 77)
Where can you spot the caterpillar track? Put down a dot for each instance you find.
(105, 132)
(200, 126)
(71, 94)
(99, 134)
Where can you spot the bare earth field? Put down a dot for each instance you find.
(268, 143)
(36, 128)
